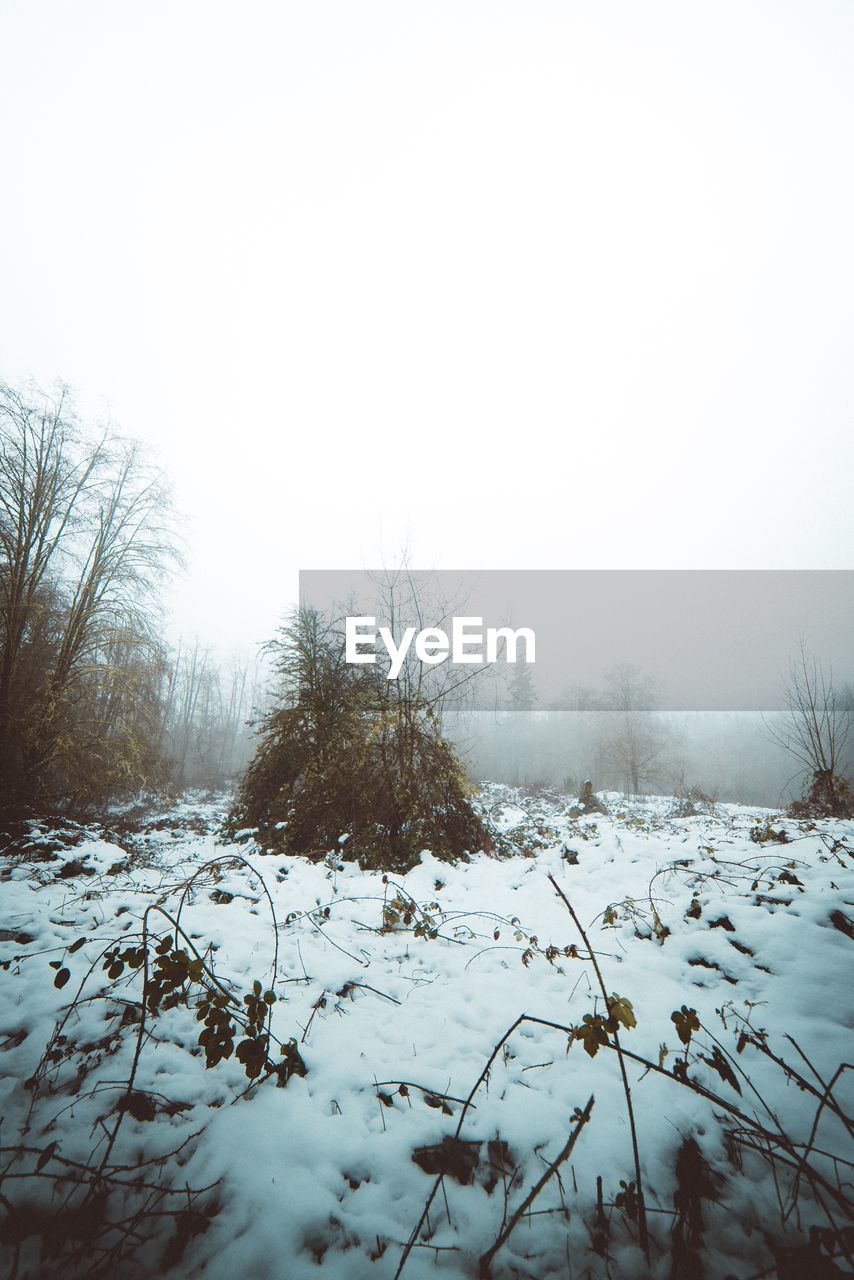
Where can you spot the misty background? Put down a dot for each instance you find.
(553, 288)
(545, 287)
(708, 640)
(699, 660)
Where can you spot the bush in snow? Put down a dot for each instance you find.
(351, 760)
(814, 729)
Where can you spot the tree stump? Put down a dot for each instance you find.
(587, 802)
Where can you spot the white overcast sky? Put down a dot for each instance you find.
(547, 285)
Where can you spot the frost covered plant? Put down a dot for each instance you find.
(595, 1028)
(402, 912)
(798, 1160)
(172, 974)
(66, 1216)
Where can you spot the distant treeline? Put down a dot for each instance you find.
(619, 737)
(96, 706)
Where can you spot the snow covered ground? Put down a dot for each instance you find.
(395, 1026)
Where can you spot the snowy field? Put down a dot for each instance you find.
(123, 1155)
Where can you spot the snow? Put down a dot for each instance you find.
(317, 1179)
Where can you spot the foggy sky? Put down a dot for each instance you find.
(710, 641)
(554, 285)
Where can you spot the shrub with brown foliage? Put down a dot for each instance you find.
(345, 762)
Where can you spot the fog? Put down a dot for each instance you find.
(559, 287)
(727, 755)
(554, 299)
(519, 286)
(643, 681)
(708, 640)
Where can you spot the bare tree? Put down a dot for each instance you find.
(85, 535)
(814, 728)
(191, 672)
(41, 485)
(634, 739)
(207, 732)
(579, 697)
